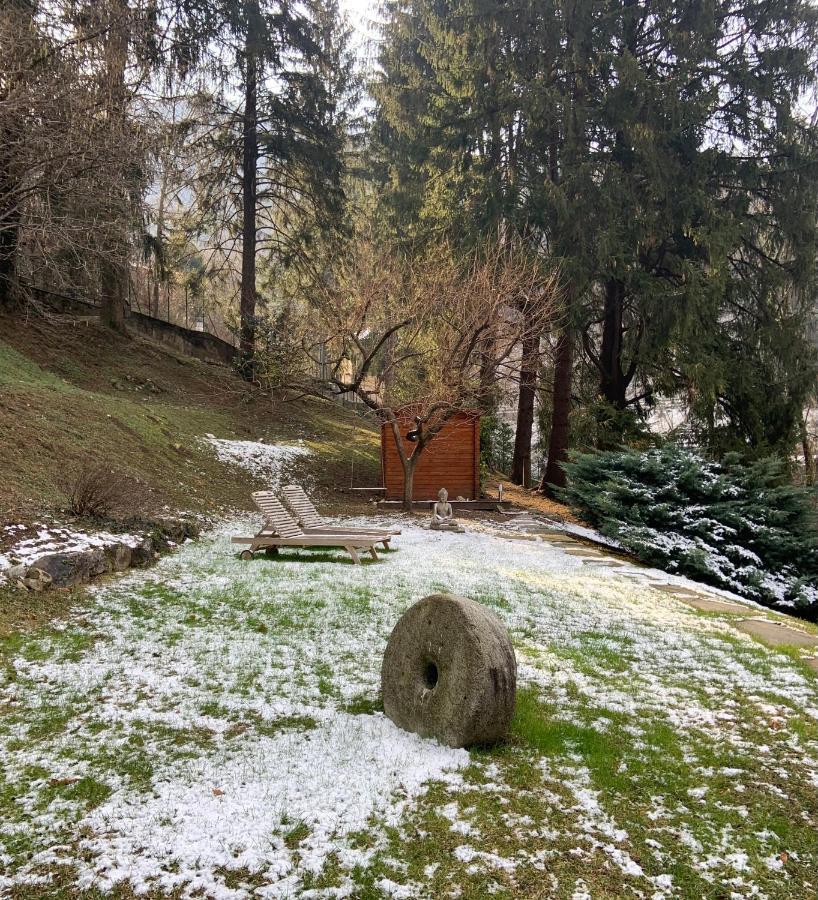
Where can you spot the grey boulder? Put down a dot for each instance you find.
(119, 556)
(16, 573)
(449, 672)
(144, 552)
(76, 567)
(36, 579)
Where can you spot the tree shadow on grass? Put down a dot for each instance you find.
(339, 557)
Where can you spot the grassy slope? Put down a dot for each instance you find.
(74, 393)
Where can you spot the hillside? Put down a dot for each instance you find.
(82, 395)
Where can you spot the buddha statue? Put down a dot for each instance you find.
(442, 514)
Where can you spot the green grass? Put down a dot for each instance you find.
(64, 405)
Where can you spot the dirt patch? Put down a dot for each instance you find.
(22, 610)
(528, 499)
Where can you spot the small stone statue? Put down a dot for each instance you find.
(443, 514)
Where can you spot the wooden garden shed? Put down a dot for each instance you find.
(450, 460)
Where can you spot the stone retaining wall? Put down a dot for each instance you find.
(199, 344)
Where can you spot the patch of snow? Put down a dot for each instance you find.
(267, 462)
(231, 811)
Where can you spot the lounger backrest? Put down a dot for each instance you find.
(276, 515)
(302, 506)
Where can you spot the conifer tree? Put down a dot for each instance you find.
(270, 137)
(656, 151)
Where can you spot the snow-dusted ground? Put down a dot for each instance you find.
(209, 727)
(267, 461)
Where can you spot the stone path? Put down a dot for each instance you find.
(743, 617)
(777, 635)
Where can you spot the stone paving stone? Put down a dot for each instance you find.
(674, 589)
(579, 550)
(558, 537)
(777, 635)
(706, 604)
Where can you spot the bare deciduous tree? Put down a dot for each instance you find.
(421, 333)
(71, 149)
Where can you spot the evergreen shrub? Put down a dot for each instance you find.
(743, 527)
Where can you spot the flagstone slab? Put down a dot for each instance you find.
(813, 663)
(707, 604)
(777, 635)
(674, 589)
(579, 550)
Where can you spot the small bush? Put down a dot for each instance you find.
(496, 445)
(95, 491)
(746, 528)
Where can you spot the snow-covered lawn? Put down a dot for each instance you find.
(211, 727)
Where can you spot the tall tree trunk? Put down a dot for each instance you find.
(9, 232)
(9, 214)
(521, 463)
(19, 16)
(159, 250)
(114, 270)
(247, 305)
(161, 262)
(554, 476)
(488, 377)
(809, 460)
(613, 384)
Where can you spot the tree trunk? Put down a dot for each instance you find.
(9, 217)
(408, 463)
(9, 232)
(247, 305)
(11, 138)
(114, 262)
(809, 461)
(521, 464)
(408, 482)
(488, 377)
(613, 383)
(558, 444)
(160, 275)
(113, 268)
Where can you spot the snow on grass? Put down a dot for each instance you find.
(217, 729)
(265, 461)
(232, 811)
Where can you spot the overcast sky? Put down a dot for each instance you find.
(362, 14)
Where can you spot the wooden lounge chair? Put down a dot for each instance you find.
(281, 530)
(312, 522)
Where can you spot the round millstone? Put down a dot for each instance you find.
(449, 672)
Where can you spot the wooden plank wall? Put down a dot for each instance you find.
(452, 460)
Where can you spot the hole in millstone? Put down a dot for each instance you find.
(430, 675)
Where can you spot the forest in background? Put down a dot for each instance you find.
(593, 209)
